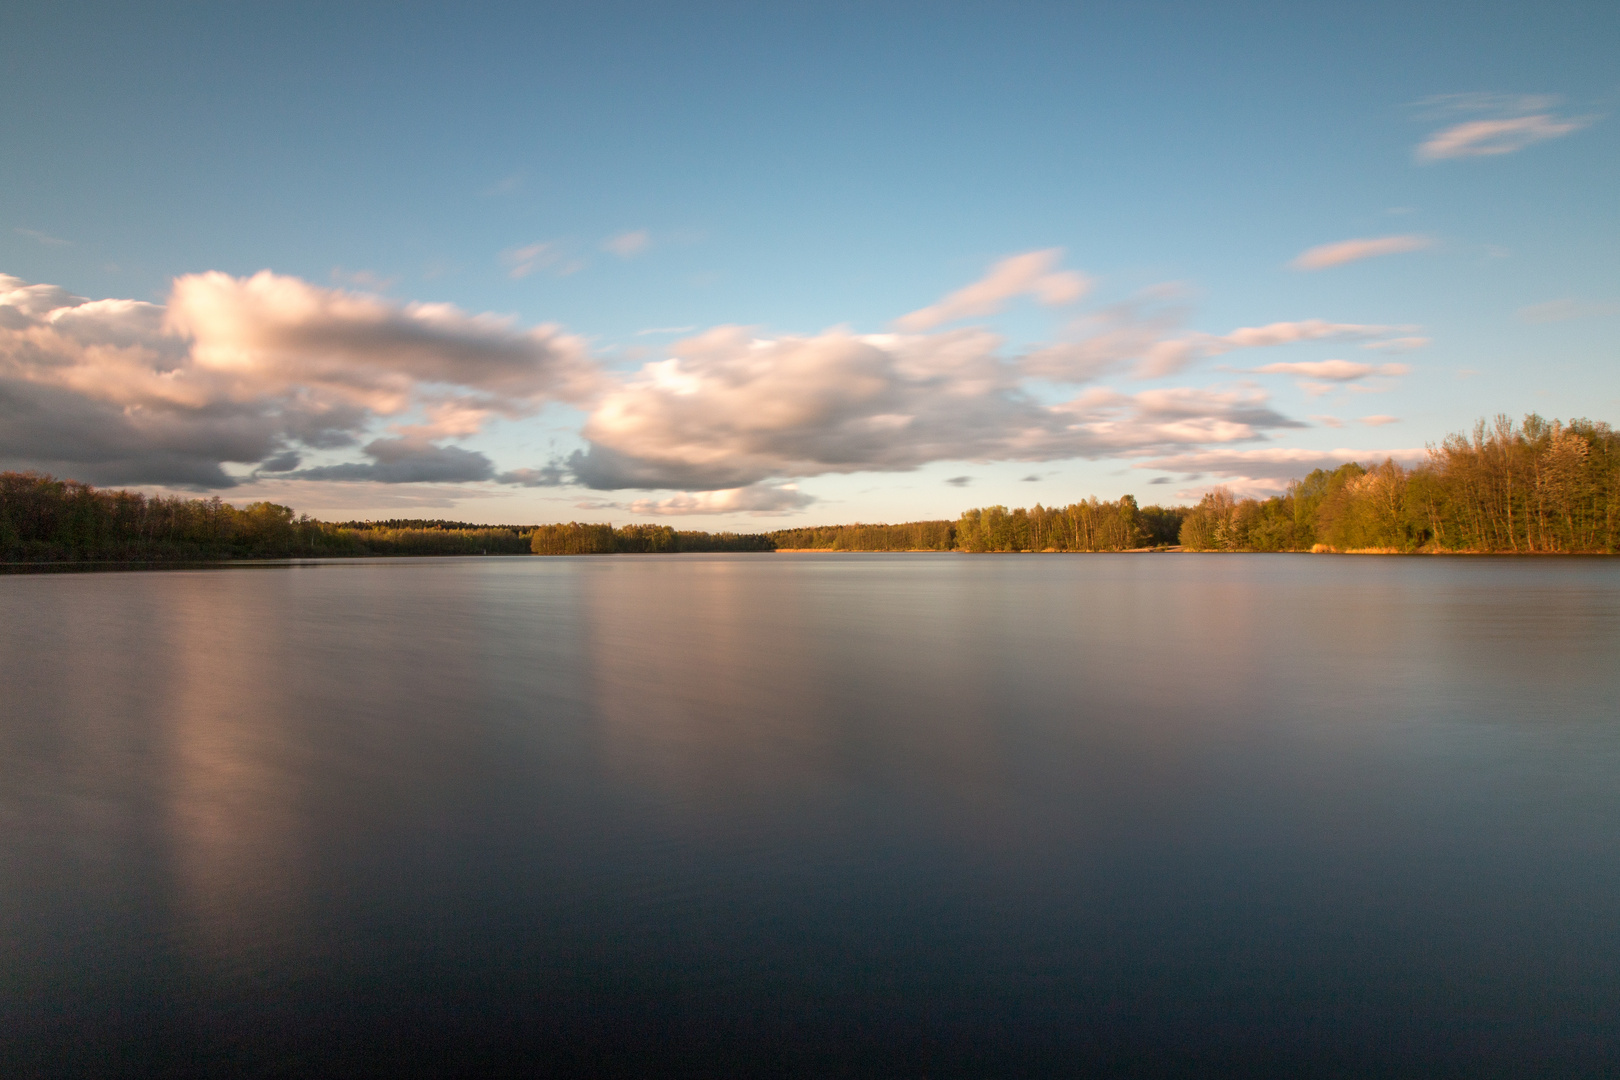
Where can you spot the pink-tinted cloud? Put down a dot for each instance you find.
(629, 244)
(1348, 251)
(1033, 273)
(1169, 357)
(260, 371)
(1506, 124)
(1332, 370)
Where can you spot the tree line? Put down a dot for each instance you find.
(1537, 486)
(1540, 486)
(578, 538)
(43, 519)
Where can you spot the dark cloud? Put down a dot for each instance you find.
(404, 461)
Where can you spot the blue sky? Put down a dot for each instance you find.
(812, 173)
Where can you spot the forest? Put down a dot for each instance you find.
(43, 519)
(576, 538)
(1540, 486)
(1537, 487)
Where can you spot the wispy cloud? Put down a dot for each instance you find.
(1321, 377)
(43, 238)
(1397, 345)
(627, 245)
(1033, 273)
(1169, 357)
(1565, 309)
(665, 330)
(549, 256)
(1268, 470)
(506, 185)
(1332, 370)
(363, 279)
(1348, 251)
(1503, 124)
(1380, 419)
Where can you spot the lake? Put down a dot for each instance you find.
(818, 815)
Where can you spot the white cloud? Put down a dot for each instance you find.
(1029, 274)
(728, 409)
(629, 244)
(273, 374)
(272, 332)
(760, 500)
(256, 371)
(1506, 124)
(1347, 251)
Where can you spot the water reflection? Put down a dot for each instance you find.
(235, 766)
(864, 812)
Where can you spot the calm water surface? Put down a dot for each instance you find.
(814, 815)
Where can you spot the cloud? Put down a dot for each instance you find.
(272, 332)
(523, 261)
(1029, 274)
(1268, 470)
(1332, 370)
(627, 245)
(1397, 345)
(1379, 420)
(1100, 341)
(408, 461)
(729, 409)
(760, 500)
(504, 186)
(268, 376)
(1171, 356)
(42, 238)
(247, 370)
(1507, 123)
(1325, 376)
(960, 481)
(547, 476)
(368, 280)
(1348, 251)
(1564, 310)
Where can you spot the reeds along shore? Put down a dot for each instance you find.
(1537, 487)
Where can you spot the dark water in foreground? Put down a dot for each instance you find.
(814, 815)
